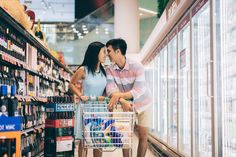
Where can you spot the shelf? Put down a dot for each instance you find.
(40, 154)
(33, 129)
(4, 15)
(13, 61)
(30, 98)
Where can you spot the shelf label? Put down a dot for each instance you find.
(10, 123)
(59, 107)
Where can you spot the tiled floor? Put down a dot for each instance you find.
(118, 152)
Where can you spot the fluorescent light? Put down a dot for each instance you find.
(147, 11)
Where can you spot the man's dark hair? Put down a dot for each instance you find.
(118, 44)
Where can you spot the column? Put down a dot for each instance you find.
(126, 23)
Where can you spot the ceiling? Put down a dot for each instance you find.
(51, 11)
(69, 30)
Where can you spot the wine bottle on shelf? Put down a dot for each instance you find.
(12, 103)
(4, 101)
(13, 147)
(38, 32)
(4, 148)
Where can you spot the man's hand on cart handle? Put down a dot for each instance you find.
(126, 105)
(113, 101)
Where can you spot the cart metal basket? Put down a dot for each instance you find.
(105, 130)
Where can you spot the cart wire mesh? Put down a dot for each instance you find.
(105, 130)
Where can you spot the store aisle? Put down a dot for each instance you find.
(118, 152)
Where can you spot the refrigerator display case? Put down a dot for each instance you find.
(201, 62)
(157, 77)
(162, 106)
(172, 90)
(184, 87)
(228, 76)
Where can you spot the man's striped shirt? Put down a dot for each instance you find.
(129, 79)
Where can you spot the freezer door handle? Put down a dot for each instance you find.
(208, 73)
(188, 85)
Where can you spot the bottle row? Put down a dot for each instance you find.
(17, 46)
(60, 99)
(7, 147)
(60, 115)
(33, 144)
(30, 84)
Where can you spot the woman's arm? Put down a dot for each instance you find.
(79, 75)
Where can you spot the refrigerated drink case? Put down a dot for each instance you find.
(184, 91)
(172, 91)
(228, 78)
(202, 99)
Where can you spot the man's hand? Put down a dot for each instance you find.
(126, 105)
(113, 101)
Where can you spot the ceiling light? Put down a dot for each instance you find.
(72, 26)
(83, 26)
(106, 32)
(85, 29)
(147, 11)
(97, 32)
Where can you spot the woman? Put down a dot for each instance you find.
(93, 78)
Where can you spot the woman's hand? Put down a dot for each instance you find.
(84, 98)
(101, 98)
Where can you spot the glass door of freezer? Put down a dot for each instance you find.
(157, 101)
(163, 96)
(184, 91)
(228, 76)
(172, 93)
(202, 82)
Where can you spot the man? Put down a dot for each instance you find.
(126, 80)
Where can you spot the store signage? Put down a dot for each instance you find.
(198, 6)
(182, 58)
(163, 44)
(172, 34)
(10, 123)
(59, 107)
(171, 8)
(184, 22)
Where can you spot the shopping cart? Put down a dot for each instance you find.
(105, 130)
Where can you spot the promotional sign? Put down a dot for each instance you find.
(10, 123)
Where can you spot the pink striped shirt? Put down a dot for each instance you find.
(129, 79)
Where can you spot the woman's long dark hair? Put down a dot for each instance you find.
(91, 57)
